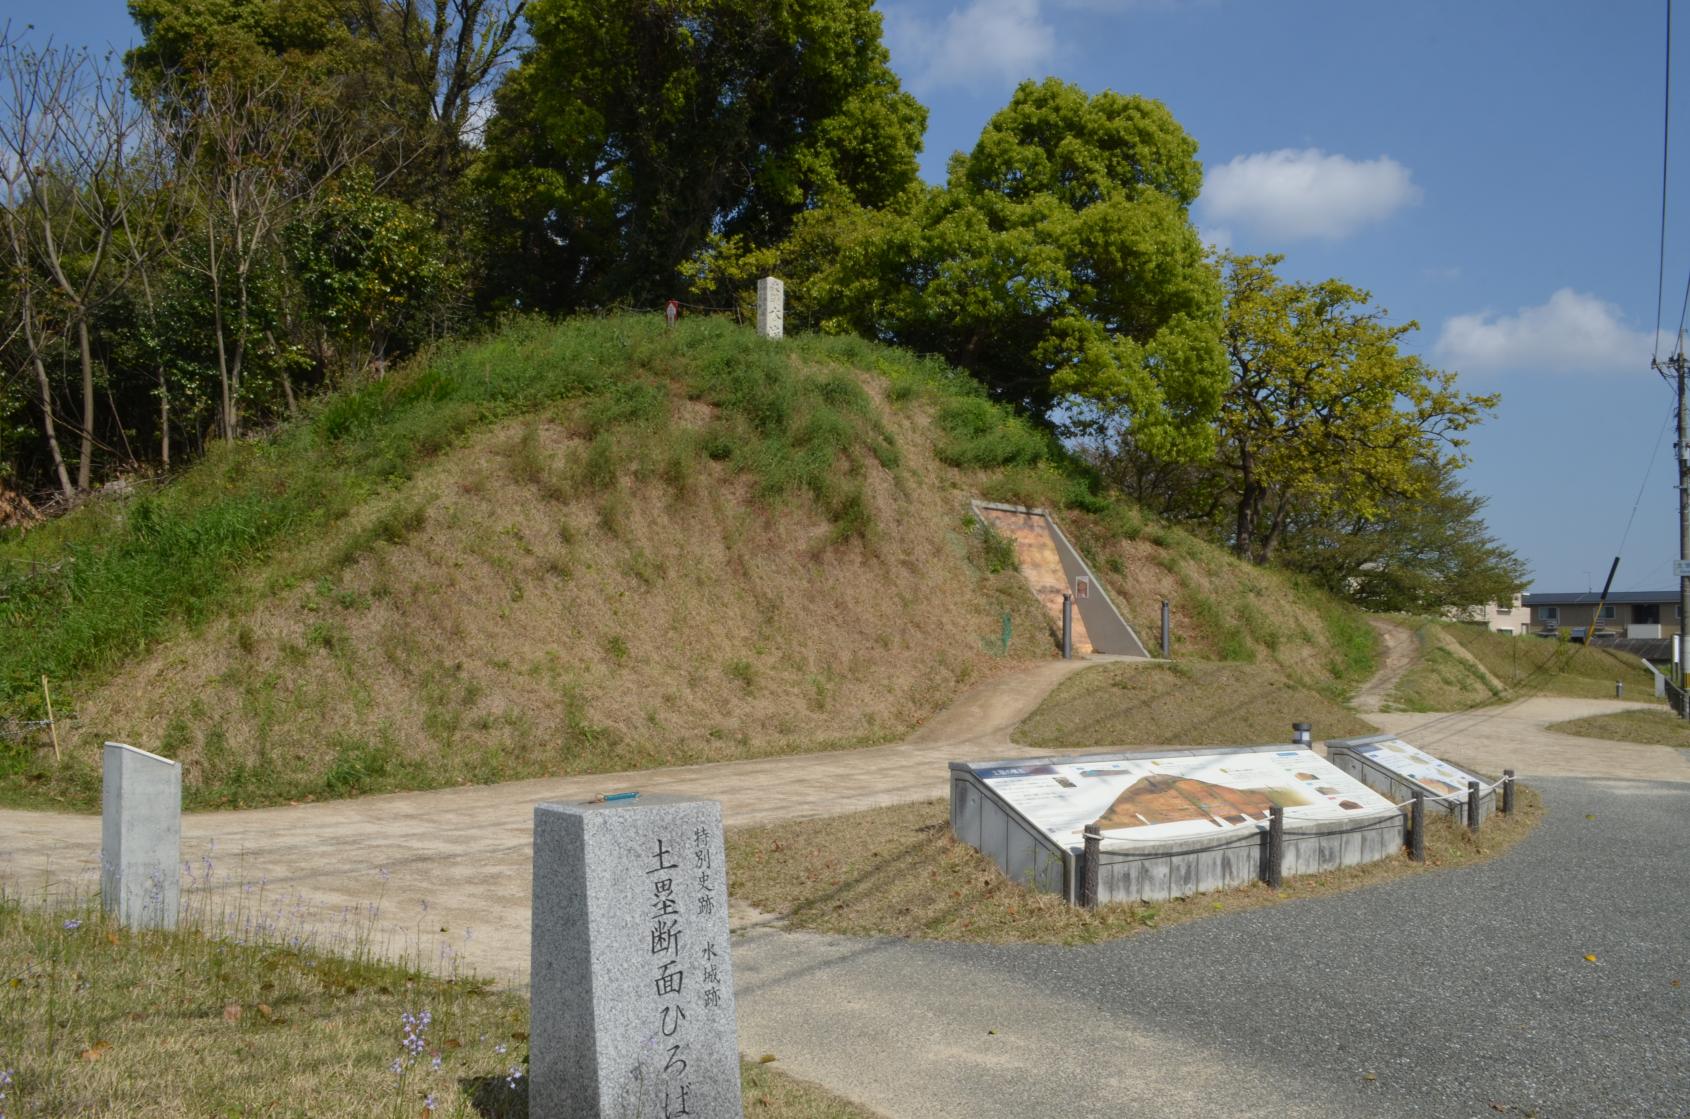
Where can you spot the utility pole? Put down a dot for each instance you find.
(1674, 368)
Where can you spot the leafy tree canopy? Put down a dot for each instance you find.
(1324, 412)
(632, 132)
(1058, 261)
(1420, 554)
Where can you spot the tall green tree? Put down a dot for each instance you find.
(632, 131)
(1324, 412)
(1058, 261)
(1420, 554)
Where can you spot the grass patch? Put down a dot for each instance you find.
(1440, 680)
(96, 1019)
(1652, 728)
(1183, 703)
(898, 871)
(1541, 666)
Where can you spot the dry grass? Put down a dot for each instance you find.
(97, 1020)
(522, 625)
(1182, 703)
(898, 871)
(1653, 728)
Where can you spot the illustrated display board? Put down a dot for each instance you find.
(1398, 770)
(1173, 822)
(1053, 568)
(1178, 797)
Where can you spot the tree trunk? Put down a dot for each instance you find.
(226, 413)
(1276, 529)
(163, 420)
(85, 465)
(48, 427)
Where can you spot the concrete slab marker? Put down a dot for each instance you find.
(140, 837)
(632, 997)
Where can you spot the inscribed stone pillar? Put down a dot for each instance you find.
(632, 1001)
(140, 837)
(771, 307)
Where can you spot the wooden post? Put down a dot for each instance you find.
(1508, 792)
(1276, 847)
(1472, 806)
(1417, 828)
(1067, 626)
(1089, 866)
(1167, 629)
(52, 726)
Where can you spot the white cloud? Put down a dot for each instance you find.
(982, 44)
(1289, 194)
(1217, 237)
(1571, 333)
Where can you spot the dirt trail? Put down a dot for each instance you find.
(1400, 650)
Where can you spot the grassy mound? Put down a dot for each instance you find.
(1652, 728)
(899, 871)
(1182, 703)
(1517, 667)
(99, 1020)
(578, 547)
(1444, 677)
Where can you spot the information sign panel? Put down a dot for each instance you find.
(1415, 765)
(1138, 797)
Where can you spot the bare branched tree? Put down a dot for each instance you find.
(450, 51)
(66, 124)
(254, 156)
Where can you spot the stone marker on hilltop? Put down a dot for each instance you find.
(631, 997)
(771, 307)
(140, 837)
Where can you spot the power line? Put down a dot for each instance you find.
(1666, 137)
(1650, 469)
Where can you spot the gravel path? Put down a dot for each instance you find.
(1457, 994)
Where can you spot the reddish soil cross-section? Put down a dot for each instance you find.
(1041, 563)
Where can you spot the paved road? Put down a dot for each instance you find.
(1464, 993)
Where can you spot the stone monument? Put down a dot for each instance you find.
(140, 837)
(632, 998)
(771, 307)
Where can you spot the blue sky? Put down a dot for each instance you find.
(1490, 169)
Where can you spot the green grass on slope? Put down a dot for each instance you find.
(87, 592)
(1183, 703)
(1441, 679)
(1542, 666)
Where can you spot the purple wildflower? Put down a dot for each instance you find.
(73, 924)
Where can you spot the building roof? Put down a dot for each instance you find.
(1591, 598)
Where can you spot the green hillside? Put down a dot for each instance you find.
(582, 547)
